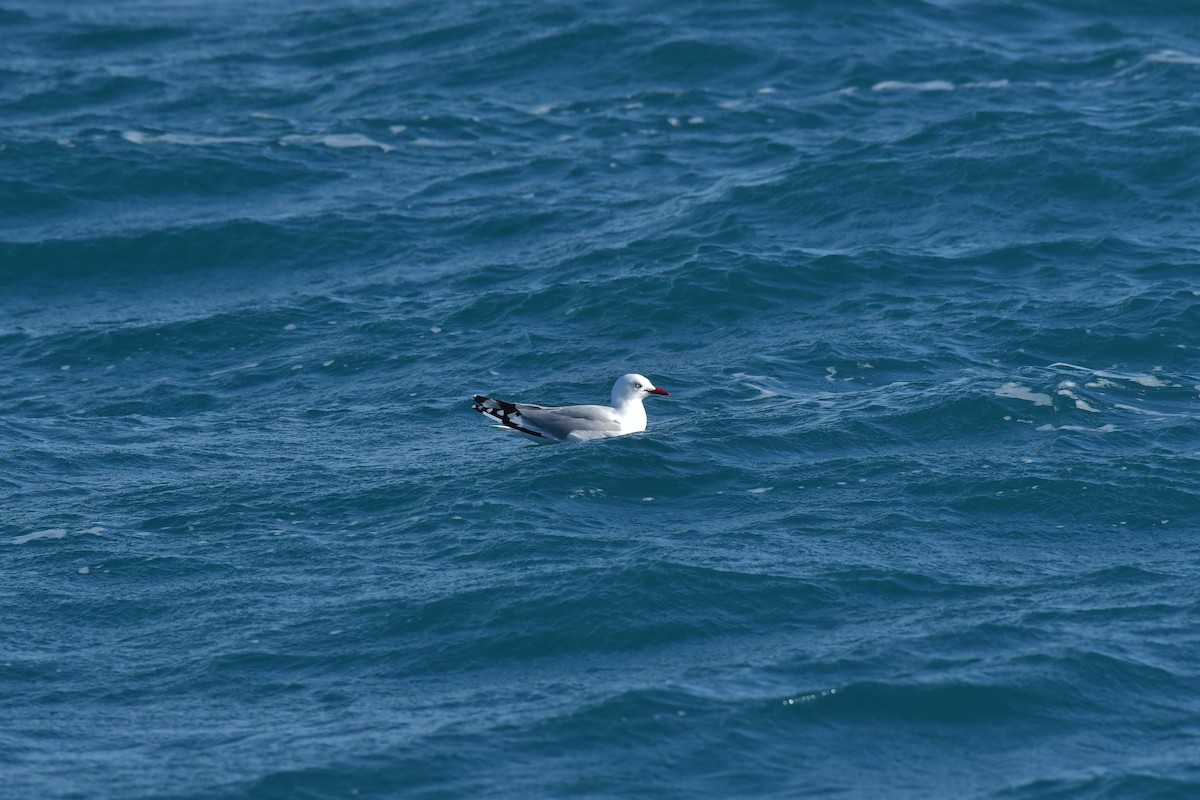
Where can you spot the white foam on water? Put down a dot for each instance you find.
(906, 86)
(754, 382)
(338, 141)
(49, 533)
(1149, 381)
(251, 365)
(761, 490)
(1109, 428)
(1064, 390)
(1018, 392)
(1173, 57)
(1143, 411)
(542, 111)
(810, 698)
(187, 140)
(346, 140)
(398, 128)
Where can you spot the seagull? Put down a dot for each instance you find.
(577, 423)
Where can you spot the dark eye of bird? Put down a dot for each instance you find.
(637, 386)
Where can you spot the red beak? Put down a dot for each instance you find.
(658, 391)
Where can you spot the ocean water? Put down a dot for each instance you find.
(918, 520)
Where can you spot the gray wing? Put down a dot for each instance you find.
(575, 422)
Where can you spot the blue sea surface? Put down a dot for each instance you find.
(920, 518)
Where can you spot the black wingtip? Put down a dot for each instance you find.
(503, 412)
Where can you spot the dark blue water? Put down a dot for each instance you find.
(918, 520)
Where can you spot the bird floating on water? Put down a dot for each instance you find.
(576, 423)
